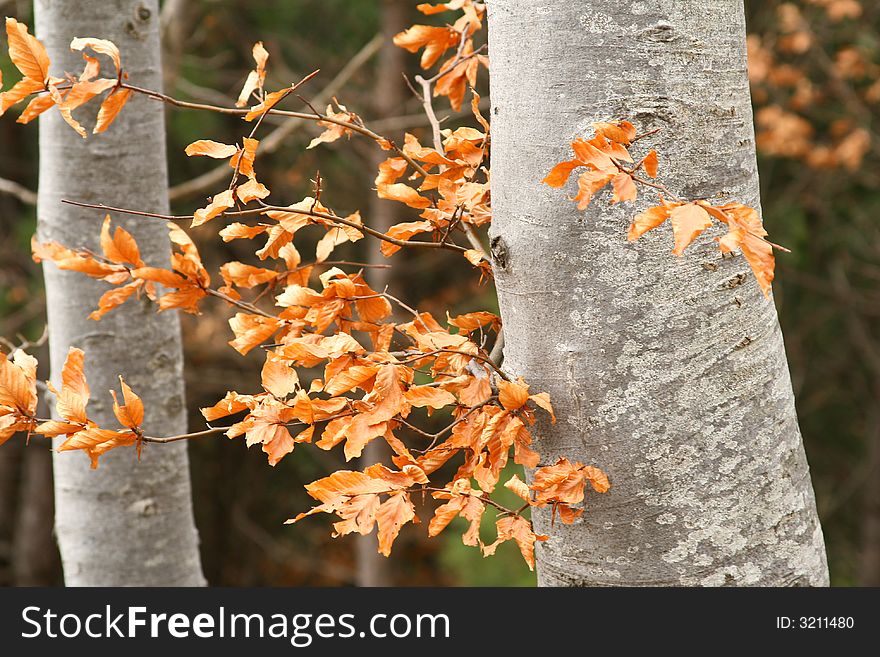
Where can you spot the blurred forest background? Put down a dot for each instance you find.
(815, 71)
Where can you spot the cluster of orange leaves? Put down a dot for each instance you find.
(18, 407)
(607, 160)
(459, 72)
(375, 371)
(68, 93)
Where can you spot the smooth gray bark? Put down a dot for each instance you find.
(129, 522)
(668, 373)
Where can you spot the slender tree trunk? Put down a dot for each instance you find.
(34, 553)
(10, 466)
(669, 373)
(372, 568)
(129, 522)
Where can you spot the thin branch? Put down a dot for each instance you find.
(266, 208)
(184, 436)
(244, 305)
(497, 353)
(20, 192)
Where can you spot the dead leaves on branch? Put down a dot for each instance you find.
(79, 431)
(18, 394)
(68, 94)
(606, 157)
(459, 71)
(456, 177)
(365, 393)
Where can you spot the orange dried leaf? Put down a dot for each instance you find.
(257, 77)
(270, 101)
(100, 46)
(35, 107)
(243, 160)
(18, 383)
(251, 330)
(647, 220)
(688, 222)
(435, 41)
(113, 298)
(622, 133)
(251, 191)
(518, 529)
(121, 247)
(519, 487)
(211, 149)
(218, 205)
(624, 188)
(560, 173)
(429, 396)
(95, 442)
(512, 395)
(71, 401)
(110, 109)
(650, 163)
(391, 515)
(28, 54)
(20, 90)
(131, 413)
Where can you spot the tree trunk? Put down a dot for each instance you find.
(668, 373)
(373, 568)
(130, 522)
(34, 553)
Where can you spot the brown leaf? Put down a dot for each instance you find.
(688, 222)
(429, 396)
(28, 54)
(110, 109)
(278, 378)
(518, 529)
(18, 387)
(74, 396)
(257, 77)
(243, 160)
(251, 191)
(113, 298)
(100, 46)
(647, 220)
(512, 395)
(435, 41)
(267, 103)
(519, 487)
(624, 188)
(650, 163)
(95, 442)
(35, 107)
(251, 330)
(211, 149)
(131, 413)
(622, 133)
(121, 248)
(219, 204)
(237, 231)
(391, 515)
(560, 173)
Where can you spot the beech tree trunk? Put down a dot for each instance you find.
(668, 373)
(129, 522)
(373, 569)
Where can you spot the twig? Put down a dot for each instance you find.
(20, 192)
(266, 208)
